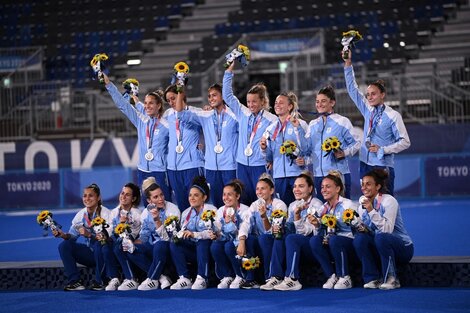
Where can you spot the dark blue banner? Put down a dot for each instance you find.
(447, 176)
(30, 190)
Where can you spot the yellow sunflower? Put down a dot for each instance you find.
(278, 213)
(353, 33)
(208, 215)
(181, 67)
(247, 265)
(326, 146)
(329, 220)
(282, 150)
(170, 220)
(335, 143)
(130, 81)
(42, 216)
(99, 57)
(120, 228)
(245, 51)
(98, 221)
(348, 216)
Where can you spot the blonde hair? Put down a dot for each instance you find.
(149, 181)
(338, 178)
(292, 98)
(262, 92)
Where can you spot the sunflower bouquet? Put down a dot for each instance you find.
(240, 53)
(98, 66)
(123, 230)
(332, 144)
(349, 40)
(278, 218)
(131, 86)
(351, 218)
(172, 227)
(329, 221)
(99, 228)
(208, 217)
(249, 263)
(45, 219)
(180, 76)
(290, 149)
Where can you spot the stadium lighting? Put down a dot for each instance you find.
(386, 45)
(402, 43)
(134, 62)
(7, 82)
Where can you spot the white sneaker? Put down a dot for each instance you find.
(330, 283)
(165, 281)
(182, 283)
(343, 283)
(200, 283)
(270, 284)
(128, 284)
(148, 284)
(225, 283)
(391, 283)
(113, 284)
(288, 284)
(373, 284)
(237, 282)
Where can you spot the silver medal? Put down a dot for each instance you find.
(248, 151)
(218, 148)
(179, 148)
(149, 156)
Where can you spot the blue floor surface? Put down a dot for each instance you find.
(410, 300)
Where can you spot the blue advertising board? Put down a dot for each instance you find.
(30, 190)
(448, 175)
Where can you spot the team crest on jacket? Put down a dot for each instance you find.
(290, 131)
(328, 130)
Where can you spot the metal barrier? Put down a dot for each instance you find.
(420, 99)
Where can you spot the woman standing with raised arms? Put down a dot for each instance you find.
(253, 121)
(185, 159)
(384, 131)
(152, 134)
(220, 128)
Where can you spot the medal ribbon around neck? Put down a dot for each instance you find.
(283, 126)
(149, 132)
(257, 121)
(218, 120)
(374, 119)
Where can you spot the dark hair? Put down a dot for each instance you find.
(135, 193)
(265, 177)
(262, 92)
(380, 176)
(337, 178)
(379, 84)
(328, 91)
(173, 89)
(200, 183)
(292, 98)
(215, 86)
(97, 190)
(158, 95)
(237, 185)
(308, 178)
